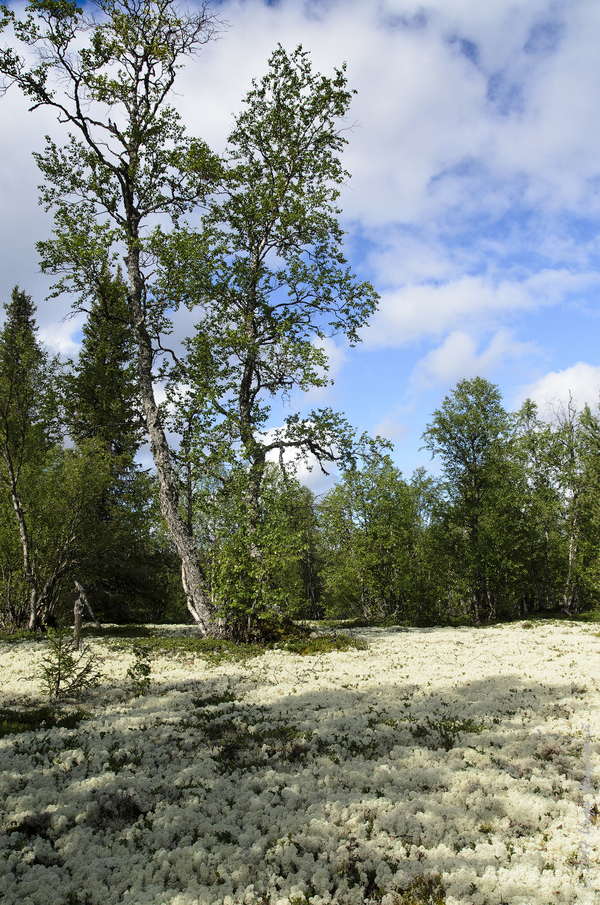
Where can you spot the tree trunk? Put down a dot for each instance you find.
(77, 614)
(194, 585)
(85, 602)
(571, 582)
(23, 534)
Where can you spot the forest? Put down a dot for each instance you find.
(221, 532)
(508, 528)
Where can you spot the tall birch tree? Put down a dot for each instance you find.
(127, 162)
(267, 277)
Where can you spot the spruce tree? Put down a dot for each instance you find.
(102, 397)
(125, 567)
(26, 423)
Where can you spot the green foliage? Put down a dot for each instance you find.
(513, 527)
(289, 637)
(444, 732)
(131, 570)
(425, 890)
(267, 273)
(371, 525)
(584, 507)
(47, 492)
(257, 571)
(28, 430)
(118, 631)
(127, 161)
(479, 525)
(101, 396)
(324, 644)
(213, 650)
(267, 276)
(17, 635)
(65, 672)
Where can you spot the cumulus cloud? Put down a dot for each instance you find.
(581, 382)
(461, 107)
(429, 310)
(391, 427)
(459, 357)
(59, 339)
(473, 137)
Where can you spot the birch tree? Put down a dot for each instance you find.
(127, 161)
(471, 433)
(267, 277)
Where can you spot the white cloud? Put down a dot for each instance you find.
(477, 128)
(390, 428)
(315, 480)
(458, 357)
(326, 395)
(431, 135)
(58, 338)
(429, 310)
(581, 381)
(308, 471)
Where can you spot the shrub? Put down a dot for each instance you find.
(66, 672)
(139, 672)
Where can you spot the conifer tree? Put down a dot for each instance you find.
(101, 394)
(26, 423)
(124, 565)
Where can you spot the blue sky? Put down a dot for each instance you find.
(474, 203)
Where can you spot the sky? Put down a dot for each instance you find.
(473, 207)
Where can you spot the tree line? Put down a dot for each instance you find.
(261, 267)
(508, 528)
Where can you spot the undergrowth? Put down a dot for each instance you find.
(16, 636)
(324, 644)
(13, 722)
(213, 650)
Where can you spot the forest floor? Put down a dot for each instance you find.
(443, 766)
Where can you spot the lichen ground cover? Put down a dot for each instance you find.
(438, 766)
